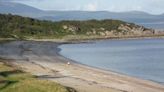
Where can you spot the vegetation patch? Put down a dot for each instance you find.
(17, 27)
(14, 80)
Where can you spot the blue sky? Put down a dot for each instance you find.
(150, 6)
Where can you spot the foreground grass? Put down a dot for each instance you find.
(14, 80)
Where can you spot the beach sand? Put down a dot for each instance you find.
(42, 59)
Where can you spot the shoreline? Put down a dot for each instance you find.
(108, 70)
(85, 40)
(54, 67)
(105, 70)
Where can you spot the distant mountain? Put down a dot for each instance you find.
(132, 16)
(85, 15)
(20, 9)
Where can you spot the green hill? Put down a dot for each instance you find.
(13, 26)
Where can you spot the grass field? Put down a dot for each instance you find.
(14, 80)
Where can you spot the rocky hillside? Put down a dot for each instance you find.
(106, 28)
(23, 27)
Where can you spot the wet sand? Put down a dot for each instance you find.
(42, 59)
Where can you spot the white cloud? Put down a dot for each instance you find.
(91, 7)
(150, 6)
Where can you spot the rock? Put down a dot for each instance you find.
(148, 32)
(65, 27)
(102, 29)
(124, 27)
(108, 33)
(102, 33)
(135, 30)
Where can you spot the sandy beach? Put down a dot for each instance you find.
(42, 59)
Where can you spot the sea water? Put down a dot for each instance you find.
(142, 58)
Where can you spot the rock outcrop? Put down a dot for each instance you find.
(121, 30)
